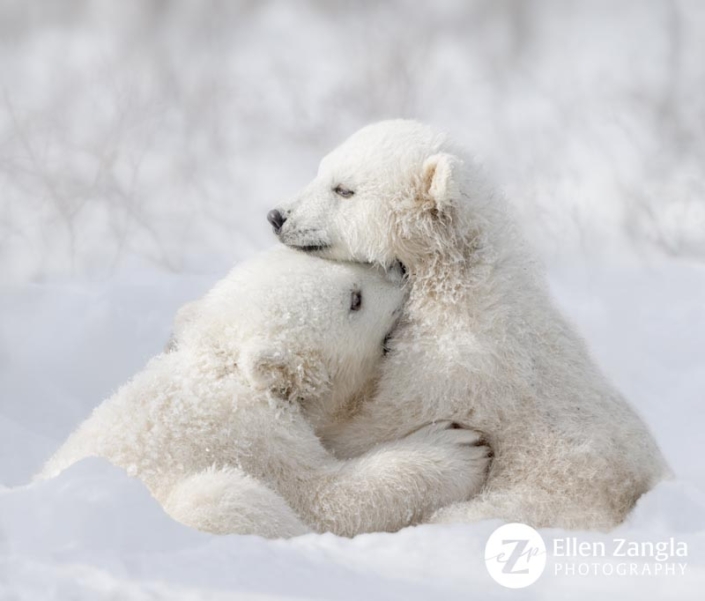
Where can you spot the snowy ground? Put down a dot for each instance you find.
(141, 144)
(93, 533)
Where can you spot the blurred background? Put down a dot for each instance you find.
(142, 143)
(154, 134)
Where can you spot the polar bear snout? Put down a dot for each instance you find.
(277, 220)
(307, 239)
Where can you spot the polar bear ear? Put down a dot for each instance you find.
(183, 320)
(291, 376)
(438, 180)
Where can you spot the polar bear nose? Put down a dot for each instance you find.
(276, 219)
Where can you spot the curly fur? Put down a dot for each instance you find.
(482, 342)
(220, 427)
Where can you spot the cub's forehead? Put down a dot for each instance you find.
(283, 276)
(289, 277)
(385, 146)
(287, 303)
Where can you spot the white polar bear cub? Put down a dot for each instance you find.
(221, 427)
(481, 341)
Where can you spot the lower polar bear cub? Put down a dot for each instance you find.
(221, 427)
(482, 342)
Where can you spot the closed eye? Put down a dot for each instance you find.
(355, 300)
(341, 190)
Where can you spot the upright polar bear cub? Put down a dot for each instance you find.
(482, 342)
(221, 428)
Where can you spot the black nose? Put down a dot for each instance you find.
(276, 219)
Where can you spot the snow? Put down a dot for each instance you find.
(93, 530)
(94, 533)
(139, 153)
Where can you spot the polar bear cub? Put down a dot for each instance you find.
(221, 428)
(482, 342)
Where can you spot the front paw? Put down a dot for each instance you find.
(459, 458)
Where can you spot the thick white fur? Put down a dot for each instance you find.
(481, 342)
(220, 427)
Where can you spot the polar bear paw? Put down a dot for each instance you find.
(457, 457)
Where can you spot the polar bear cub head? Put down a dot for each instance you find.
(300, 327)
(390, 192)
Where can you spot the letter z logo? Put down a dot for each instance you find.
(515, 555)
(518, 553)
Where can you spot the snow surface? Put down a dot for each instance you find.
(94, 533)
(141, 145)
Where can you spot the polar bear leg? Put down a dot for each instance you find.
(228, 501)
(467, 512)
(398, 483)
(511, 505)
(529, 507)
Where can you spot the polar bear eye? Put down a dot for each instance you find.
(343, 191)
(355, 300)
